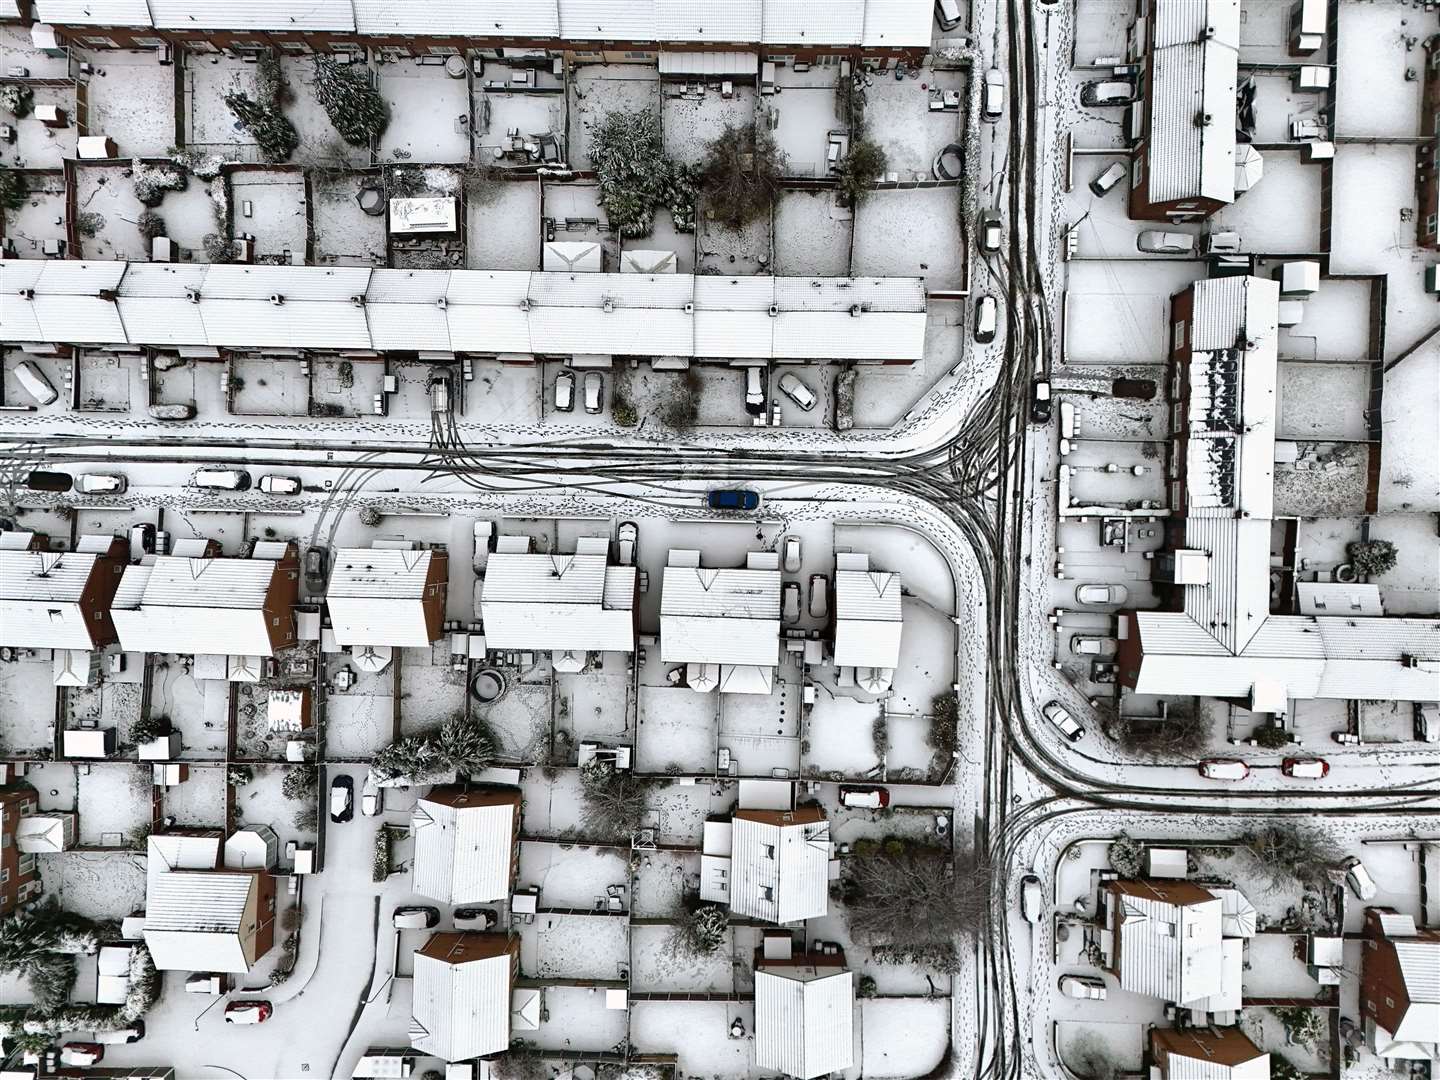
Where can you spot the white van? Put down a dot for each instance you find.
(947, 14)
(223, 479)
(35, 382)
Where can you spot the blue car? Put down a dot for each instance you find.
(734, 499)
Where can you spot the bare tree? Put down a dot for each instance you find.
(1181, 733)
(741, 175)
(700, 933)
(616, 801)
(1289, 852)
(1091, 1059)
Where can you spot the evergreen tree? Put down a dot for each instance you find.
(354, 106)
(266, 124)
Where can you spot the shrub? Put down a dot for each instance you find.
(270, 85)
(682, 408)
(879, 738)
(370, 517)
(1271, 736)
(17, 98)
(622, 409)
(1303, 1027)
(702, 931)
(1282, 1068)
(89, 223)
(148, 728)
(635, 177)
(1181, 733)
(866, 987)
(1371, 558)
(201, 164)
(740, 176)
(354, 106)
(616, 801)
(239, 775)
(518, 1063)
(380, 864)
(1127, 856)
(267, 125)
(150, 225)
(307, 818)
(858, 170)
(1289, 852)
(218, 249)
(1090, 1059)
(151, 182)
(299, 783)
(13, 190)
(944, 731)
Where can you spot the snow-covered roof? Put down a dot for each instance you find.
(1215, 1053)
(41, 834)
(460, 1005)
(273, 15)
(182, 605)
(468, 18)
(804, 1019)
(1237, 913)
(1339, 598)
(720, 616)
(558, 602)
(198, 920)
(376, 596)
(40, 599)
(803, 22)
(779, 864)
(486, 311)
(1419, 962)
(1168, 939)
(1191, 147)
(464, 843)
(868, 618)
(93, 12)
(897, 24)
(181, 851)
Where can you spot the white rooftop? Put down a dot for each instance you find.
(464, 854)
(558, 602)
(376, 596)
(804, 1019)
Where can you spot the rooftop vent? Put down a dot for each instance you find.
(1204, 119)
(277, 298)
(855, 310)
(774, 311)
(192, 294)
(525, 303)
(608, 305)
(443, 303)
(27, 294)
(358, 300)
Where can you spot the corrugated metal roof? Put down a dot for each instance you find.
(195, 920)
(1193, 76)
(460, 1011)
(833, 336)
(93, 12)
(205, 606)
(779, 873)
(803, 22)
(868, 619)
(230, 281)
(39, 599)
(804, 1020)
(471, 18)
(607, 20)
(275, 15)
(841, 294)
(696, 20)
(558, 602)
(898, 24)
(1168, 950)
(720, 616)
(376, 596)
(463, 855)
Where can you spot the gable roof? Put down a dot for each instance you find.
(376, 596)
(804, 1020)
(460, 1006)
(558, 602)
(194, 920)
(1169, 939)
(779, 864)
(868, 618)
(720, 616)
(464, 843)
(40, 599)
(205, 606)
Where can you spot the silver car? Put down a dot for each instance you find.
(1161, 242)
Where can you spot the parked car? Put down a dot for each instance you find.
(222, 479)
(864, 797)
(626, 538)
(791, 549)
(173, 410)
(947, 14)
(1107, 92)
(1060, 716)
(1358, 878)
(272, 484)
(133, 1033)
(565, 391)
(1091, 645)
(1040, 405)
(317, 561)
(35, 383)
(1312, 768)
(594, 391)
(1224, 769)
(1427, 721)
(754, 390)
(790, 602)
(415, 917)
(1103, 183)
(96, 483)
(733, 499)
(990, 230)
(372, 799)
(987, 314)
(819, 596)
(992, 100)
(342, 798)
(81, 1054)
(207, 982)
(1101, 594)
(1161, 242)
(1032, 898)
(797, 391)
(1139, 389)
(1086, 987)
(474, 918)
(248, 1012)
(47, 480)
(142, 540)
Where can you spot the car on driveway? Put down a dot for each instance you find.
(792, 554)
(819, 596)
(1032, 898)
(342, 799)
(990, 230)
(754, 390)
(248, 1012)
(372, 799)
(790, 602)
(594, 391)
(565, 391)
(1107, 92)
(627, 537)
(1040, 403)
(1091, 645)
(1106, 181)
(1223, 769)
(1358, 878)
(271, 484)
(1085, 987)
(797, 391)
(415, 917)
(317, 560)
(474, 918)
(987, 317)
(1160, 242)
(1060, 716)
(864, 797)
(1306, 768)
(81, 1054)
(1100, 594)
(95, 483)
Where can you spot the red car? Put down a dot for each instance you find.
(864, 798)
(248, 1012)
(1305, 768)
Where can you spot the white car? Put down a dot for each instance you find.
(992, 101)
(754, 390)
(797, 391)
(1032, 898)
(1090, 645)
(100, 484)
(991, 233)
(627, 537)
(1058, 715)
(1359, 879)
(372, 799)
(1100, 594)
(1224, 769)
(792, 554)
(594, 391)
(1160, 242)
(271, 484)
(1085, 987)
(565, 391)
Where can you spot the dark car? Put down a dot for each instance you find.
(1140, 389)
(316, 560)
(40, 480)
(415, 917)
(1107, 92)
(734, 499)
(342, 798)
(1040, 402)
(474, 918)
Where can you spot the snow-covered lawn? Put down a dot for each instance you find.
(927, 658)
(208, 78)
(574, 947)
(662, 881)
(1267, 1032)
(812, 234)
(698, 1033)
(429, 114)
(1282, 212)
(1323, 401)
(361, 720)
(914, 233)
(431, 692)
(319, 140)
(262, 802)
(37, 146)
(903, 1037)
(600, 89)
(1275, 968)
(1372, 184)
(899, 118)
(1122, 1043)
(107, 382)
(347, 385)
(198, 803)
(838, 738)
(678, 811)
(197, 708)
(132, 100)
(27, 702)
(747, 250)
(344, 234)
(39, 218)
(503, 226)
(105, 190)
(1371, 39)
(656, 967)
(553, 803)
(592, 705)
(691, 124)
(677, 728)
(571, 877)
(1100, 27)
(98, 885)
(269, 386)
(520, 722)
(279, 217)
(114, 802)
(575, 1019)
(807, 115)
